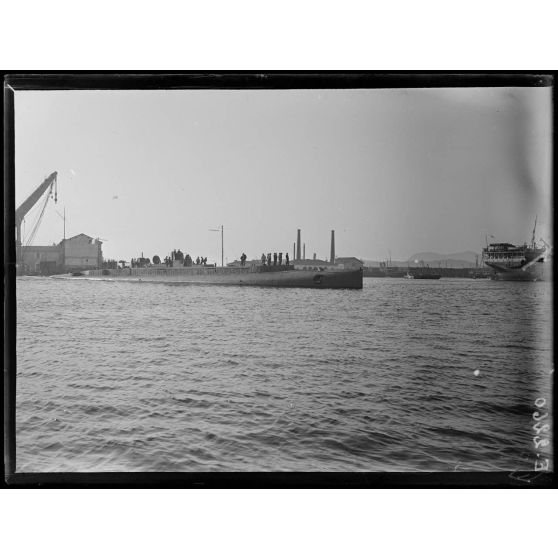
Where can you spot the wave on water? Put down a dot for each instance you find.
(116, 377)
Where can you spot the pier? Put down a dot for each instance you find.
(399, 272)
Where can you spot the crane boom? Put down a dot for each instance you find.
(27, 205)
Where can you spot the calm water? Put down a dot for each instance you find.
(150, 377)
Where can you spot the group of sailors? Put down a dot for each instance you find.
(185, 260)
(268, 260)
(277, 258)
(140, 262)
(110, 264)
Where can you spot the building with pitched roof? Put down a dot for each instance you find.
(77, 253)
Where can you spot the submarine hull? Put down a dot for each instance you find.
(256, 277)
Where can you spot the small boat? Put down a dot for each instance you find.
(422, 272)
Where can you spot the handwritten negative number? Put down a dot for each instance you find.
(544, 428)
(541, 465)
(538, 441)
(536, 416)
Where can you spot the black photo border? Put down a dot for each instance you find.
(44, 81)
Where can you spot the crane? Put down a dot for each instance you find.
(28, 204)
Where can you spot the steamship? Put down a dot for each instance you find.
(528, 262)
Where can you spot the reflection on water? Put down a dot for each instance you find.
(148, 377)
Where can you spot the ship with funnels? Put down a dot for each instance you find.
(528, 262)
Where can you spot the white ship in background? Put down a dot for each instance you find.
(529, 262)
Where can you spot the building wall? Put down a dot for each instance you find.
(349, 263)
(313, 265)
(82, 252)
(32, 257)
(340, 263)
(77, 253)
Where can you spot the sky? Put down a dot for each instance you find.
(393, 171)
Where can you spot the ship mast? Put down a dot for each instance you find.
(533, 236)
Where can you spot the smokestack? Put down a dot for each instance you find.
(332, 256)
(294, 250)
(304, 251)
(298, 244)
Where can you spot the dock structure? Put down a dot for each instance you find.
(399, 272)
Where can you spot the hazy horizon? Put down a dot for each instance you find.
(391, 171)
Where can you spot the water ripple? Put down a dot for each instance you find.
(148, 377)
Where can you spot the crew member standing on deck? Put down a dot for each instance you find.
(263, 259)
(274, 258)
(287, 258)
(280, 258)
(269, 258)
